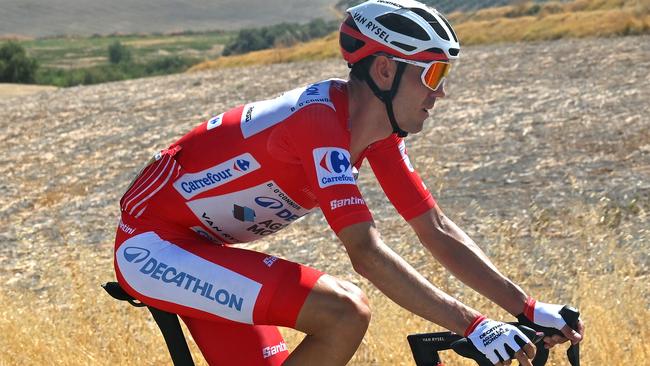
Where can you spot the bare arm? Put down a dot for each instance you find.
(462, 257)
(393, 276)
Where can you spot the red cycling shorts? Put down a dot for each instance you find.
(231, 299)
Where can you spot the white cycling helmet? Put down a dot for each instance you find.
(404, 28)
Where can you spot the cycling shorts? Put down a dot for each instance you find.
(230, 298)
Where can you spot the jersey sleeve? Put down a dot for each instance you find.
(323, 148)
(397, 177)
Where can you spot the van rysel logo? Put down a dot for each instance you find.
(332, 166)
(191, 184)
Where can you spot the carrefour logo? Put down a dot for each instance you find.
(191, 184)
(269, 202)
(332, 166)
(215, 122)
(136, 254)
(335, 161)
(242, 165)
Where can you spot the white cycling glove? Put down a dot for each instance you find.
(496, 340)
(546, 315)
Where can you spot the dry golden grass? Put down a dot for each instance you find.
(580, 18)
(316, 50)
(598, 272)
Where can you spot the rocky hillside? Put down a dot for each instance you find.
(541, 124)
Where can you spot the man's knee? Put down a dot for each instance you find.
(354, 301)
(334, 303)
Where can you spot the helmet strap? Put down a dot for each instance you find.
(387, 96)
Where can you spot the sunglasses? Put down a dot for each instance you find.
(434, 73)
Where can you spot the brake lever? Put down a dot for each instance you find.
(466, 349)
(571, 316)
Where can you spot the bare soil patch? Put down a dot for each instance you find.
(14, 90)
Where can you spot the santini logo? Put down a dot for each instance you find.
(332, 166)
(274, 350)
(334, 204)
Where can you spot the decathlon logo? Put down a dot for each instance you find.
(268, 202)
(191, 184)
(332, 166)
(136, 254)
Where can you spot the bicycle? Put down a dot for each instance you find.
(424, 346)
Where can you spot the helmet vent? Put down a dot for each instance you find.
(349, 21)
(424, 14)
(450, 29)
(454, 51)
(436, 50)
(405, 47)
(403, 25)
(432, 21)
(349, 43)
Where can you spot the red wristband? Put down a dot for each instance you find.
(474, 324)
(529, 309)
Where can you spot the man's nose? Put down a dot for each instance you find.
(440, 91)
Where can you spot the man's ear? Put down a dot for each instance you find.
(383, 71)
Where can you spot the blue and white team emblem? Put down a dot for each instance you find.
(241, 165)
(333, 166)
(215, 122)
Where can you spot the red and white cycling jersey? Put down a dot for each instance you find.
(253, 170)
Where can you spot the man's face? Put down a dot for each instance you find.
(414, 100)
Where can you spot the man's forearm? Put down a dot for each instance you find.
(394, 277)
(462, 257)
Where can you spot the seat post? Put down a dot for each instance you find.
(168, 323)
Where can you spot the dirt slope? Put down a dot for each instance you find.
(540, 124)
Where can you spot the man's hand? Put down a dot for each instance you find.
(500, 342)
(548, 315)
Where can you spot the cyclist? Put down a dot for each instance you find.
(251, 171)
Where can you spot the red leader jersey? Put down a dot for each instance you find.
(254, 169)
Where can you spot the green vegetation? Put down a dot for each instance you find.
(280, 35)
(15, 65)
(522, 22)
(70, 61)
(118, 53)
(121, 67)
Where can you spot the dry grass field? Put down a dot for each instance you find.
(522, 22)
(541, 153)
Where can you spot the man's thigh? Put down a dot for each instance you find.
(238, 344)
(195, 278)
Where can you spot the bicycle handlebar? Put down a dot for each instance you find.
(425, 346)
